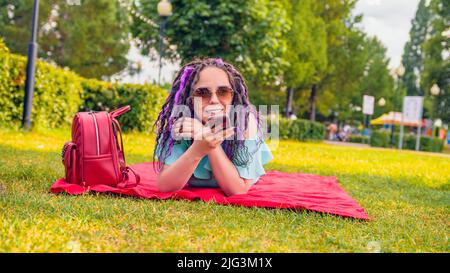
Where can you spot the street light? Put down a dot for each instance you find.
(382, 102)
(31, 69)
(435, 90)
(399, 72)
(164, 10)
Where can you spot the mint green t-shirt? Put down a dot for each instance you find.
(203, 175)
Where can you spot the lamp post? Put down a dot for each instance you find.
(434, 91)
(381, 103)
(31, 69)
(399, 72)
(164, 10)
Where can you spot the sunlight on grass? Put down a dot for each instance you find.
(405, 193)
(414, 167)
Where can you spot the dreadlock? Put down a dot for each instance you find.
(180, 94)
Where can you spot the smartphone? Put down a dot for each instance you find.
(221, 120)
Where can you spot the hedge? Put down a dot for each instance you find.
(146, 102)
(300, 129)
(60, 93)
(429, 144)
(57, 93)
(358, 139)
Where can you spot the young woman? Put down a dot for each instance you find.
(199, 146)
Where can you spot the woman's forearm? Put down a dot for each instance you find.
(176, 175)
(226, 173)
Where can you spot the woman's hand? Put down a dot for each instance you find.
(187, 128)
(205, 138)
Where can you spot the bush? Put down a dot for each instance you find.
(59, 94)
(429, 144)
(301, 129)
(145, 100)
(380, 139)
(358, 139)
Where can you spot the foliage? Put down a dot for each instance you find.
(57, 94)
(380, 139)
(306, 47)
(300, 129)
(428, 144)
(358, 139)
(248, 34)
(60, 93)
(90, 38)
(412, 58)
(437, 61)
(146, 102)
(375, 80)
(339, 27)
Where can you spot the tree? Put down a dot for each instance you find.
(412, 58)
(436, 60)
(15, 23)
(360, 68)
(250, 34)
(337, 17)
(376, 80)
(91, 39)
(306, 49)
(340, 89)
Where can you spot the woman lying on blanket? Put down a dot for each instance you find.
(210, 132)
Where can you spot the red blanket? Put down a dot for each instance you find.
(273, 190)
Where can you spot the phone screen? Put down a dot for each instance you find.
(216, 121)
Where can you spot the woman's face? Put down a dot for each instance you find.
(212, 93)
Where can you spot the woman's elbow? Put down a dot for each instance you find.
(240, 190)
(163, 186)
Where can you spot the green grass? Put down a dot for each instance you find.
(406, 194)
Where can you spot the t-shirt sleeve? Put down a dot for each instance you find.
(254, 169)
(177, 150)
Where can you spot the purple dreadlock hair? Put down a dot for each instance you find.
(180, 94)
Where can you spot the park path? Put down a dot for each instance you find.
(348, 144)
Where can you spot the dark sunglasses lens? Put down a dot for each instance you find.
(225, 93)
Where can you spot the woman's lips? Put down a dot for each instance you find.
(213, 112)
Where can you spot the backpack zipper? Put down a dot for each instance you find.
(96, 132)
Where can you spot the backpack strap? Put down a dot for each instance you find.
(119, 130)
(120, 111)
(126, 169)
(124, 183)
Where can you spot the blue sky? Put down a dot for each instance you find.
(389, 20)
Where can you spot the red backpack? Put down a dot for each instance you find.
(95, 155)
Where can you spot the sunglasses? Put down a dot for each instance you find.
(223, 93)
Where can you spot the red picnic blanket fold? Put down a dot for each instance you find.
(275, 189)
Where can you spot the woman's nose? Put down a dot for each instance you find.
(214, 99)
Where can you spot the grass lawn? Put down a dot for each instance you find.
(405, 193)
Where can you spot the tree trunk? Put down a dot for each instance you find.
(312, 104)
(289, 98)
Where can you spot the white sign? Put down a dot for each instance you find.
(412, 109)
(368, 103)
